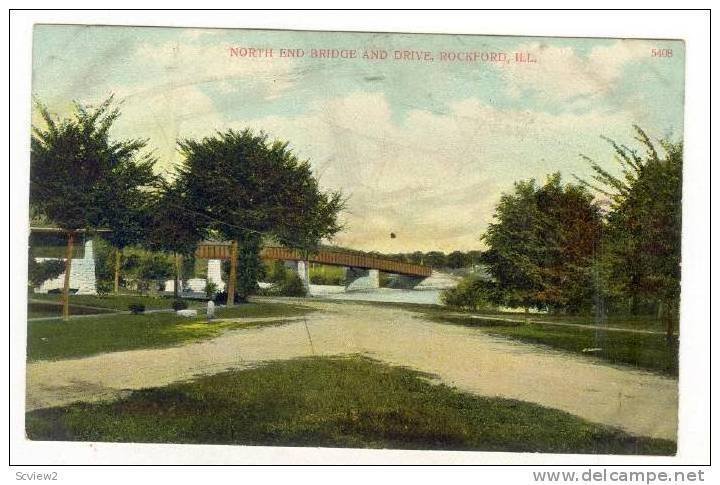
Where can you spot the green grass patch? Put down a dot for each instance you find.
(114, 302)
(647, 351)
(630, 322)
(52, 309)
(332, 402)
(57, 339)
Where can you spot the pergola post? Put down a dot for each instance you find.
(68, 269)
(232, 277)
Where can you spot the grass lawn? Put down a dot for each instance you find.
(631, 322)
(114, 302)
(56, 339)
(646, 351)
(52, 309)
(332, 402)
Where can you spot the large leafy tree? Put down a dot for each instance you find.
(81, 179)
(514, 248)
(171, 228)
(245, 187)
(644, 223)
(543, 246)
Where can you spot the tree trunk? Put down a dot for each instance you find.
(232, 277)
(668, 315)
(117, 270)
(68, 269)
(178, 262)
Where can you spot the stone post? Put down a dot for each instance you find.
(303, 270)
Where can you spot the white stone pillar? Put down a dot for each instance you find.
(82, 272)
(374, 278)
(214, 273)
(303, 270)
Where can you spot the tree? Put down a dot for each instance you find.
(245, 187)
(514, 248)
(436, 259)
(457, 260)
(544, 245)
(81, 179)
(172, 229)
(644, 223)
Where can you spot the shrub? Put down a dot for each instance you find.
(210, 290)
(327, 279)
(136, 308)
(179, 304)
(291, 285)
(286, 282)
(470, 294)
(104, 287)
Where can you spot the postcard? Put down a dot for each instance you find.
(354, 240)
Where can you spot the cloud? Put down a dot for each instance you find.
(433, 179)
(560, 73)
(179, 64)
(171, 100)
(432, 176)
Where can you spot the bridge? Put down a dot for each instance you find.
(362, 270)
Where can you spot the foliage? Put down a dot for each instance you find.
(39, 272)
(543, 246)
(136, 308)
(104, 287)
(250, 268)
(327, 275)
(438, 259)
(143, 270)
(291, 285)
(241, 186)
(81, 179)
(275, 271)
(104, 264)
(285, 281)
(471, 293)
(210, 290)
(155, 267)
(644, 223)
(173, 229)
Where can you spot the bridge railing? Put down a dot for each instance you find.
(221, 250)
(355, 260)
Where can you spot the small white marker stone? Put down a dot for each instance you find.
(210, 309)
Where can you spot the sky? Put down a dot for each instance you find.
(421, 148)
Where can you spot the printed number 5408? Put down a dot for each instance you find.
(661, 53)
